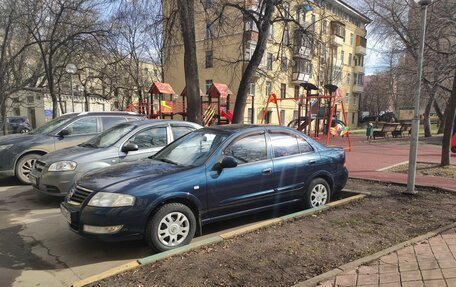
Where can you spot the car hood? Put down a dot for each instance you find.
(127, 174)
(18, 138)
(78, 154)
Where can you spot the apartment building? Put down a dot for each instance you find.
(320, 42)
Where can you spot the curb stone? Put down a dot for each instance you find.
(211, 240)
(354, 264)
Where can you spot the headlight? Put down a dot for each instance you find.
(107, 199)
(7, 146)
(63, 166)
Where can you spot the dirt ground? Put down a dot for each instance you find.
(429, 169)
(287, 253)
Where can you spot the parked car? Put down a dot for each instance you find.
(208, 175)
(55, 172)
(15, 125)
(19, 152)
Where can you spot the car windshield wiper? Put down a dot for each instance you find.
(88, 145)
(167, 161)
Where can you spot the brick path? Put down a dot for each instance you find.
(431, 263)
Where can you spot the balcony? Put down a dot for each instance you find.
(361, 43)
(359, 69)
(357, 88)
(302, 52)
(337, 41)
(251, 36)
(298, 78)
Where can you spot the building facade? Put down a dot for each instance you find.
(320, 42)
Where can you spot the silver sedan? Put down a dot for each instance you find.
(54, 173)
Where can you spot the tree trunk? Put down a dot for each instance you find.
(449, 120)
(252, 66)
(187, 21)
(438, 111)
(427, 117)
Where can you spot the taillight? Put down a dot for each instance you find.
(344, 159)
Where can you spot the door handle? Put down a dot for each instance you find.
(266, 171)
(312, 162)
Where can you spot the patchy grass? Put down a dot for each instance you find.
(429, 169)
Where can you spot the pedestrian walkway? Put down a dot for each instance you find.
(431, 263)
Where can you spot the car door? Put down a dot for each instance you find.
(246, 186)
(81, 130)
(149, 140)
(294, 161)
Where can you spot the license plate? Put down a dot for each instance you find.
(65, 213)
(33, 180)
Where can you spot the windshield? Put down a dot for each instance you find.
(191, 150)
(52, 125)
(110, 136)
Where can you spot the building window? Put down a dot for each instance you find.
(268, 88)
(286, 10)
(342, 56)
(348, 78)
(324, 23)
(209, 32)
(250, 115)
(286, 37)
(353, 118)
(350, 57)
(282, 116)
(352, 39)
(302, 66)
(208, 84)
(283, 90)
(17, 111)
(30, 99)
(269, 61)
(296, 91)
(359, 61)
(359, 79)
(271, 32)
(338, 29)
(284, 64)
(209, 62)
(295, 114)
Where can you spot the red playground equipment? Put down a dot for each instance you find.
(316, 112)
(215, 109)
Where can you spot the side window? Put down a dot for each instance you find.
(86, 125)
(284, 144)
(179, 131)
(109, 122)
(304, 146)
(150, 138)
(248, 149)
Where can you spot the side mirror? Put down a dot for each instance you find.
(64, 132)
(228, 162)
(130, 147)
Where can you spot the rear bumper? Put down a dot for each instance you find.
(340, 180)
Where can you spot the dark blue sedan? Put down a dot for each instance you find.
(208, 175)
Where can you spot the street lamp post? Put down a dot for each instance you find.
(71, 69)
(416, 116)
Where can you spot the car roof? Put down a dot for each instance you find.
(231, 129)
(107, 113)
(159, 122)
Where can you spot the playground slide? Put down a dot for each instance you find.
(228, 115)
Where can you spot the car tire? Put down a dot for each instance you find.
(173, 225)
(24, 131)
(24, 166)
(318, 193)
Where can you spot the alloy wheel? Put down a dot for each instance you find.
(173, 229)
(318, 195)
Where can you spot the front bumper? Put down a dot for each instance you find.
(131, 219)
(52, 183)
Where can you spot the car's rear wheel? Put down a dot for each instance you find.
(318, 193)
(24, 167)
(172, 226)
(24, 131)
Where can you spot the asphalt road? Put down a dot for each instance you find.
(38, 249)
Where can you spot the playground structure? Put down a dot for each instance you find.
(215, 104)
(316, 112)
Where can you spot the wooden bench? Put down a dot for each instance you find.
(387, 128)
(402, 129)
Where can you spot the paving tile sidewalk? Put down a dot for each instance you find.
(430, 263)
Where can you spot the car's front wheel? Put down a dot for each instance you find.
(318, 193)
(172, 226)
(24, 167)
